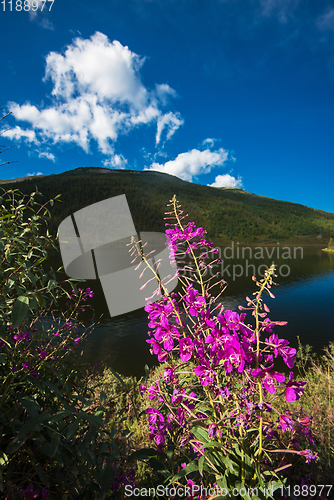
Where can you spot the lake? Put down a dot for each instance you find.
(304, 298)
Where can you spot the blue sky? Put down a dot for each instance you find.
(218, 92)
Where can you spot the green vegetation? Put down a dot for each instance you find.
(227, 214)
(56, 441)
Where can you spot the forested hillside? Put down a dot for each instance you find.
(231, 214)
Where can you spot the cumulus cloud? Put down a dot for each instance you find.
(188, 165)
(97, 96)
(35, 173)
(226, 180)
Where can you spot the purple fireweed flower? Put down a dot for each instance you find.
(165, 334)
(14, 369)
(76, 341)
(34, 373)
(217, 339)
(206, 375)
(155, 418)
(20, 336)
(231, 320)
(190, 400)
(169, 374)
(199, 349)
(234, 356)
(281, 349)
(285, 423)
(212, 430)
(178, 395)
(156, 346)
(206, 318)
(294, 390)
(309, 455)
(157, 311)
(268, 325)
(180, 418)
(153, 392)
(268, 378)
(43, 354)
(186, 348)
(195, 303)
(157, 349)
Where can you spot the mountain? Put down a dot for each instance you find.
(226, 213)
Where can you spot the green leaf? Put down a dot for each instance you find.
(30, 404)
(52, 284)
(24, 432)
(10, 283)
(191, 467)
(106, 479)
(103, 396)
(72, 429)
(53, 387)
(143, 454)
(20, 310)
(54, 445)
(200, 465)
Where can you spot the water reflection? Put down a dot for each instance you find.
(304, 298)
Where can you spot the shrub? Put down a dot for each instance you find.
(55, 441)
(215, 423)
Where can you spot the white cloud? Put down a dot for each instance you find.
(17, 133)
(192, 163)
(209, 142)
(226, 180)
(171, 121)
(47, 155)
(97, 96)
(35, 173)
(37, 9)
(46, 24)
(116, 161)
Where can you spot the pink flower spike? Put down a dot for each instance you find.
(294, 390)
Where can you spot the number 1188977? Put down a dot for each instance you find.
(26, 5)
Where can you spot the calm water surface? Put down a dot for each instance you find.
(304, 298)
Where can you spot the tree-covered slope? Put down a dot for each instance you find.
(224, 213)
